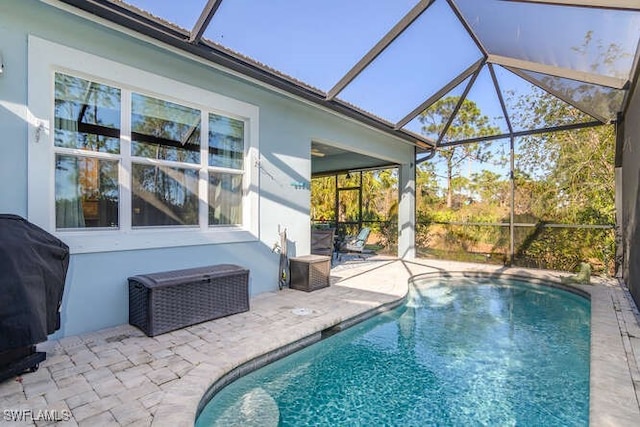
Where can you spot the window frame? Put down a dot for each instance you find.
(45, 60)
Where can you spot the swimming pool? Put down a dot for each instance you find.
(460, 352)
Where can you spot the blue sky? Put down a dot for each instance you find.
(317, 42)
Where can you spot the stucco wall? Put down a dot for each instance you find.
(96, 290)
(630, 202)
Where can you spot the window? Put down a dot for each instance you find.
(87, 121)
(86, 192)
(164, 194)
(87, 117)
(226, 149)
(136, 165)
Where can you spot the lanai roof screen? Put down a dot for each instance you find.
(316, 42)
(389, 62)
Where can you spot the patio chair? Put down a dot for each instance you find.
(322, 242)
(355, 244)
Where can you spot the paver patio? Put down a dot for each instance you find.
(119, 376)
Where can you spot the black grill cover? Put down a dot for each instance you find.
(33, 269)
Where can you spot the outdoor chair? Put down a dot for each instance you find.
(355, 244)
(322, 241)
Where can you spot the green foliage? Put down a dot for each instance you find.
(560, 178)
(469, 122)
(565, 248)
(379, 203)
(323, 193)
(389, 234)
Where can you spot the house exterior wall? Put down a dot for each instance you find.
(96, 293)
(628, 186)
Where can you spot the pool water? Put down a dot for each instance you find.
(460, 352)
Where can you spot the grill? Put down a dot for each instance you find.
(33, 269)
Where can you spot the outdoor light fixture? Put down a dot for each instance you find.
(316, 153)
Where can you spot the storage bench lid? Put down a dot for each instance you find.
(197, 274)
(311, 258)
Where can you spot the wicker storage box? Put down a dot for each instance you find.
(163, 302)
(310, 272)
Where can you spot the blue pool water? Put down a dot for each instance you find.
(459, 353)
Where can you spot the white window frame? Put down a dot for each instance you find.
(47, 58)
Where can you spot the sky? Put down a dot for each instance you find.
(318, 42)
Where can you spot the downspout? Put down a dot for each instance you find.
(430, 154)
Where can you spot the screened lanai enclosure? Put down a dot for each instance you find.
(469, 209)
(524, 114)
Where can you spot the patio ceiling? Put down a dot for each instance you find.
(329, 160)
(386, 63)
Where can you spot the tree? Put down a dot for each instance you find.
(323, 198)
(388, 187)
(379, 191)
(490, 188)
(564, 177)
(577, 167)
(427, 193)
(469, 122)
(574, 169)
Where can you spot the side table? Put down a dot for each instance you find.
(309, 272)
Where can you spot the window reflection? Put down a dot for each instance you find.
(225, 199)
(226, 142)
(86, 192)
(164, 130)
(87, 115)
(164, 196)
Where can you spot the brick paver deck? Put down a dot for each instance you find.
(119, 376)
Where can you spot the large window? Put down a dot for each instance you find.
(136, 163)
(164, 159)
